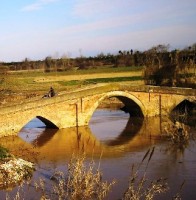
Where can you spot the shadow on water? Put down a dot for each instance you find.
(36, 132)
(119, 150)
(105, 138)
(58, 145)
(131, 129)
(44, 137)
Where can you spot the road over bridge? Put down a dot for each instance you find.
(76, 108)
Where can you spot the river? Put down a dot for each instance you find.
(116, 142)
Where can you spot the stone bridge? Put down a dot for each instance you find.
(76, 108)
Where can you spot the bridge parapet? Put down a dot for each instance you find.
(98, 90)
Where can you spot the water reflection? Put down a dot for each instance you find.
(58, 145)
(121, 142)
(132, 128)
(44, 137)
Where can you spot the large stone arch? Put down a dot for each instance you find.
(121, 95)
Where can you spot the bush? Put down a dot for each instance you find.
(4, 153)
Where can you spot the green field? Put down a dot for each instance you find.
(18, 85)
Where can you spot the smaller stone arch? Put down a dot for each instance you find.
(47, 122)
(125, 97)
(184, 112)
(184, 107)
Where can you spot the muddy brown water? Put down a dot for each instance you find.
(120, 141)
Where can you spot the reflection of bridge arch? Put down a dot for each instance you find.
(61, 144)
(133, 105)
(132, 128)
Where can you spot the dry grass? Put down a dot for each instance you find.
(85, 182)
(18, 87)
(81, 182)
(140, 187)
(179, 135)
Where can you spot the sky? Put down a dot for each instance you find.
(35, 29)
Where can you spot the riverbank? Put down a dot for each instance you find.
(21, 86)
(13, 170)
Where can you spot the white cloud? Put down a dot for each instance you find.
(100, 25)
(87, 8)
(42, 45)
(103, 26)
(37, 5)
(140, 40)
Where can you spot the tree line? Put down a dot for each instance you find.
(170, 68)
(161, 66)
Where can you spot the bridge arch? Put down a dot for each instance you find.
(48, 123)
(183, 107)
(23, 123)
(130, 101)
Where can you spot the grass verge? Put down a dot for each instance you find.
(100, 80)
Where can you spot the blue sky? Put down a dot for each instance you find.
(35, 29)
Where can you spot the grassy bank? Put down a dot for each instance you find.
(20, 85)
(100, 80)
(74, 71)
